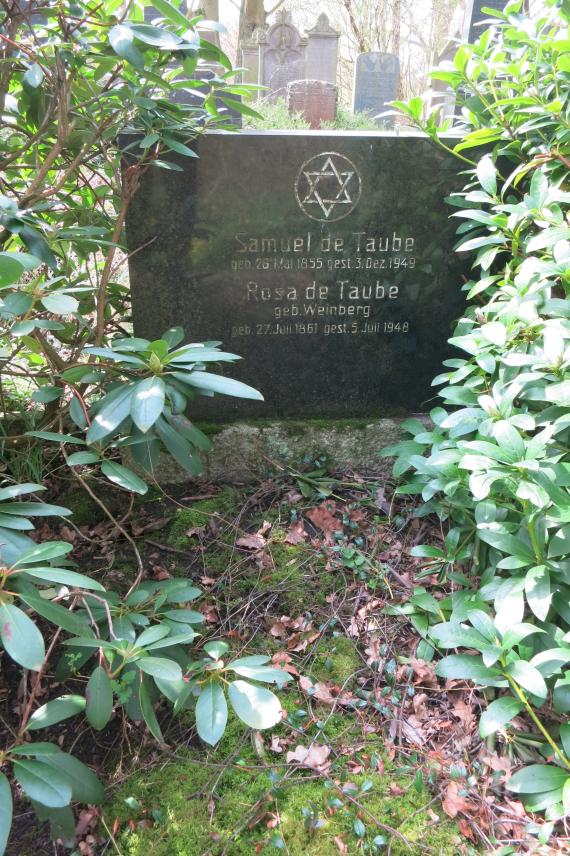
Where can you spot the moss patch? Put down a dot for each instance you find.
(225, 504)
(336, 660)
(247, 800)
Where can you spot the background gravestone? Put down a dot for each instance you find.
(324, 259)
(282, 56)
(314, 99)
(475, 15)
(376, 78)
(322, 51)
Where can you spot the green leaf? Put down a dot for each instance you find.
(21, 638)
(121, 39)
(63, 576)
(56, 711)
(113, 410)
(499, 712)
(79, 458)
(147, 402)
(5, 812)
(99, 699)
(60, 304)
(537, 778)
(528, 677)
(537, 589)
(224, 385)
(256, 706)
(43, 553)
(85, 786)
(56, 613)
(159, 667)
(486, 175)
(124, 477)
(33, 76)
(148, 713)
(182, 452)
(216, 649)
(42, 783)
(250, 667)
(171, 13)
(211, 713)
(470, 668)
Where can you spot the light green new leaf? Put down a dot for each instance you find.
(5, 812)
(56, 711)
(21, 638)
(147, 402)
(498, 714)
(211, 713)
(99, 699)
(256, 706)
(42, 783)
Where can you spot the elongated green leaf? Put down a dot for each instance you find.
(171, 13)
(211, 713)
(148, 713)
(85, 786)
(115, 408)
(498, 714)
(537, 589)
(56, 711)
(99, 699)
(43, 553)
(256, 706)
(81, 458)
(121, 39)
(60, 304)
(538, 778)
(5, 812)
(43, 784)
(470, 668)
(19, 489)
(160, 667)
(57, 614)
(224, 385)
(178, 447)
(35, 509)
(147, 402)
(486, 174)
(123, 477)
(64, 576)
(259, 672)
(21, 638)
(528, 677)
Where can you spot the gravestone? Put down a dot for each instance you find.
(325, 260)
(322, 51)
(315, 100)
(475, 14)
(376, 77)
(282, 56)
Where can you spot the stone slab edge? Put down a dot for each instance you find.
(248, 451)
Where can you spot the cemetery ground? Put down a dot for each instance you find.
(374, 754)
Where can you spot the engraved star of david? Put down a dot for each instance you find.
(333, 186)
(341, 197)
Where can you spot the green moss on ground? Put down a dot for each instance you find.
(225, 504)
(336, 659)
(245, 801)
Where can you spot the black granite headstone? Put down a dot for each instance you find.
(324, 259)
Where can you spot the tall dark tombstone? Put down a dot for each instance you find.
(325, 260)
(376, 78)
(475, 15)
